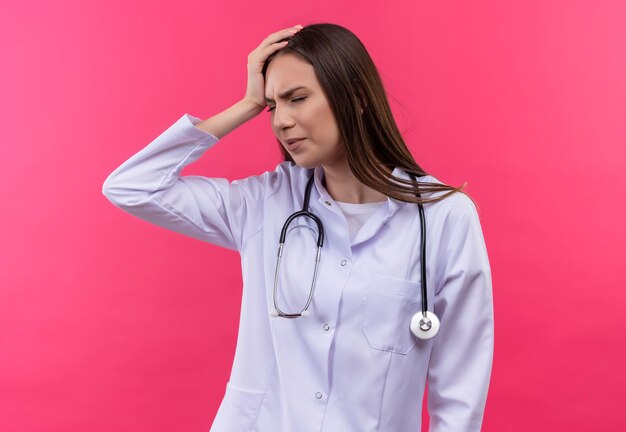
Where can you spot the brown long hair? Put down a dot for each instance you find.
(349, 77)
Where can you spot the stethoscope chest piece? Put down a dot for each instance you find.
(424, 327)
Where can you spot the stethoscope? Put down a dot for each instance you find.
(424, 324)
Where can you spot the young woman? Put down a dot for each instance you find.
(336, 333)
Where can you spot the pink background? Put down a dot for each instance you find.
(108, 323)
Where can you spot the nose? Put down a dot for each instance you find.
(282, 119)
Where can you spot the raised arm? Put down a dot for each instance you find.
(149, 185)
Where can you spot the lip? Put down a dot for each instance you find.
(295, 144)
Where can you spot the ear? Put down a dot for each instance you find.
(362, 103)
(361, 99)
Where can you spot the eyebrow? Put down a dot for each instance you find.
(286, 93)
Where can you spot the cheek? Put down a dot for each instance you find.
(323, 125)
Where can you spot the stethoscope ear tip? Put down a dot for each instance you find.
(305, 313)
(273, 314)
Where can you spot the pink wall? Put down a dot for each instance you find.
(108, 323)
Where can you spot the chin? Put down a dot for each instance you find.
(305, 162)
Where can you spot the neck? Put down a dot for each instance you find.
(343, 186)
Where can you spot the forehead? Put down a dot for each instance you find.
(287, 71)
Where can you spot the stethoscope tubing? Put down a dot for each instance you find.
(424, 326)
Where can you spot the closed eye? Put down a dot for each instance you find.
(293, 100)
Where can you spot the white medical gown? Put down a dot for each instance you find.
(353, 365)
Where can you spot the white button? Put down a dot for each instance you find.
(344, 262)
(327, 202)
(326, 327)
(318, 395)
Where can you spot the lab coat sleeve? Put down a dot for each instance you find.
(149, 186)
(460, 365)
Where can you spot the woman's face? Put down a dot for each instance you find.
(304, 113)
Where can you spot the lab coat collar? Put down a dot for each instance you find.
(393, 204)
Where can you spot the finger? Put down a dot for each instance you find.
(282, 34)
(268, 50)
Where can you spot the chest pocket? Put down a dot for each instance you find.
(389, 307)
